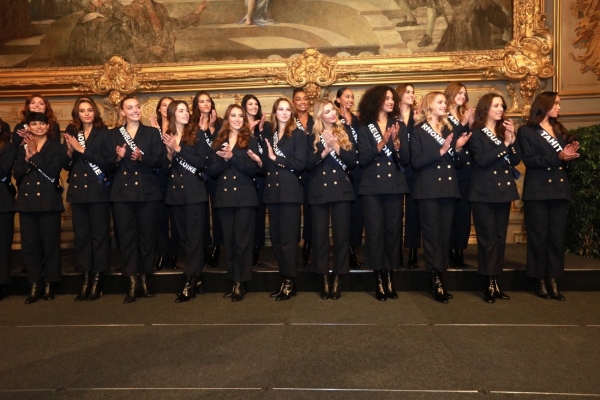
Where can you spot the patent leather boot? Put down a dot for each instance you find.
(499, 294)
(214, 257)
(554, 293)
(388, 281)
(161, 263)
(488, 290)
(379, 286)
(189, 290)
(354, 263)
(237, 293)
(437, 287)
(460, 258)
(133, 289)
(306, 253)
(199, 287)
(336, 289)
(413, 261)
(84, 286)
(95, 290)
(325, 289)
(48, 292)
(452, 259)
(541, 290)
(289, 290)
(278, 292)
(145, 291)
(33, 294)
(256, 257)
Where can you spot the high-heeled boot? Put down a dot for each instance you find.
(237, 293)
(230, 292)
(289, 290)
(541, 290)
(214, 257)
(499, 294)
(554, 293)
(48, 292)
(278, 292)
(336, 287)
(145, 291)
(488, 290)
(256, 257)
(199, 287)
(388, 281)
(326, 288)
(188, 290)
(162, 262)
(173, 262)
(306, 253)
(354, 263)
(413, 261)
(96, 289)
(133, 289)
(379, 286)
(33, 294)
(452, 258)
(84, 286)
(460, 258)
(437, 287)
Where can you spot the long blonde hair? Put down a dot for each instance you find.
(337, 128)
(425, 115)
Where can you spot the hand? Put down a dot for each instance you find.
(254, 157)
(462, 141)
(569, 152)
(509, 133)
(272, 156)
(203, 122)
(468, 117)
(226, 152)
(23, 132)
(171, 143)
(136, 155)
(212, 120)
(170, 153)
(253, 124)
(154, 121)
(31, 143)
(446, 145)
(121, 152)
(394, 136)
(69, 147)
(326, 151)
(261, 124)
(73, 144)
(332, 141)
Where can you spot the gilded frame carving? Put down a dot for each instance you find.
(523, 63)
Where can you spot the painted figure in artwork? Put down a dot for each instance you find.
(257, 13)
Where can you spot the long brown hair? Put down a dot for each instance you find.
(290, 125)
(76, 122)
(195, 117)
(158, 114)
(4, 136)
(188, 136)
(337, 129)
(223, 136)
(450, 93)
(426, 106)
(481, 113)
(49, 112)
(542, 104)
(400, 89)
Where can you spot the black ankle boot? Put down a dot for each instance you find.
(237, 292)
(413, 261)
(214, 257)
(326, 288)
(388, 281)
(33, 294)
(188, 290)
(48, 292)
(144, 283)
(96, 289)
(173, 262)
(437, 287)
(554, 293)
(306, 253)
(289, 290)
(84, 286)
(278, 292)
(336, 287)
(540, 289)
(460, 258)
(499, 294)
(199, 288)
(161, 263)
(488, 290)
(379, 286)
(133, 289)
(354, 263)
(452, 258)
(256, 257)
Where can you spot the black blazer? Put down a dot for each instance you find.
(382, 175)
(235, 178)
(356, 172)
(283, 185)
(8, 153)
(435, 175)
(18, 139)
(84, 185)
(409, 172)
(546, 174)
(492, 179)
(260, 137)
(36, 192)
(136, 180)
(328, 180)
(305, 175)
(464, 172)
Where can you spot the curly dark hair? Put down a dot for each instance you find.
(223, 135)
(542, 104)
(481, 112)
(372, 101)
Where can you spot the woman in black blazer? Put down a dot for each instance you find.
(36, 103)
(284, 161)
(460, 116)
(8, 153)
(435, 154)
(39, 203)
(236, 195)
(135, 193)
(547, 150)
(331, 155)
(495, 154)
(187, 156)
(87, 158)
(383, 152)
(345, 102)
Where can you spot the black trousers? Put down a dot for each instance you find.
(546, 226)
(436, 224)
(357, 216)
(261, 213)
(167, 234)
(306, 211)
(189, 219)
(383, 230)
(412, 223)
(137, 224)
(91, 226)
(284, 221)
(491, 224)
(461, 225)
(238, 226)
(40, 244)
(340, 229)
(7, 229)
(214, 236)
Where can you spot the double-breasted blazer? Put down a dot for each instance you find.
(458, 129)
(8, 153)
(352, 129)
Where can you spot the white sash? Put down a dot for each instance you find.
(53, 180)
(275, 147)
(299, 125)
(378, 139)
(498, 142)
(186, 166)
(332, 154)
(129, 139)
(551, 140)
(95, 168)
(354, 134)
(453, 119)
(437, 137)
(208, 140)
